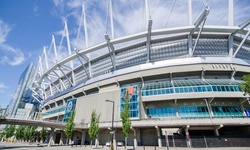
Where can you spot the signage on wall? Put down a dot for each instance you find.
(70, 106)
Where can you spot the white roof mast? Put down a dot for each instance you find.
(111, 20)
(190, 13)
(230, 12)
(85, 26)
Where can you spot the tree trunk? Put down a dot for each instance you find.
(126, 142)
(91, 143)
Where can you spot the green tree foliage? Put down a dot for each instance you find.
(32, 132)
(94, 127)
(9, 130)
(245, 85)
(20, 132)
(126, 123)
(1, 113)
(26, 134)
(70, 125)
(43, 134)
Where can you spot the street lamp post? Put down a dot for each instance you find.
(112, 127)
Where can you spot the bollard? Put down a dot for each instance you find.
(143, 147)
(155, 147)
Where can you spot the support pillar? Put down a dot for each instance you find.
(242, 109)
(188, 137)
(159, 136)
(114, 139)
(135, 140)
(61, 138)
(51, 136)
(83, 137)
(97, 140)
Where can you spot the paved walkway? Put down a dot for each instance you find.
(27, 146)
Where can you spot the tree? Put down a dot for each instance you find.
(70, 126)
(245, 85)
(20, 132)
(9, 130)
(43, 134)
(32, 133)
(26, 134)
(1, 113)
(94, 127)
(125, 116)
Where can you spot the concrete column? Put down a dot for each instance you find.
(114, 139)
(176, 111)
(97, 140)
(51, 137)
(83, 137)
(188, 137)
(61, 138)
(159, 136)
(242, 109)
(216, 131)
(135, 140)
(138, 135)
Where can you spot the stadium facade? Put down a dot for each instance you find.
(181, 80)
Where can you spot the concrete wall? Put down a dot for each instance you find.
(86, 104)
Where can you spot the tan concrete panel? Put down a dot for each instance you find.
(86, 104)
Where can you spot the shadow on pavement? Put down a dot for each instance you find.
(18, 147)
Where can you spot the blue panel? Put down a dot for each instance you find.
(70, 106)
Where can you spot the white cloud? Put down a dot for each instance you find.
(2, 86)
(4, 30)
(9, 55)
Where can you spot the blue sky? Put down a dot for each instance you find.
(26, 26)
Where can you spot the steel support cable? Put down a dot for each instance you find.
(170, 13)
(79, 30)
(200, 10)
(93, 25)
(226, 14)
(61, 41)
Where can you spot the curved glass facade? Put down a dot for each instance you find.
(133, 101)
(190, 86)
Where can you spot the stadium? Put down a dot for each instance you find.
(182, 81)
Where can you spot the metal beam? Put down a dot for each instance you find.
(200, 21)
(53, 84)
(245, 24)
(79, 55)
(241, 43)
(36, 99)
(66, 67)
(242, 26)
(111, 50)
(65, 75)
(60, 80)
(150, 22)
(233, 73)
(53, 76)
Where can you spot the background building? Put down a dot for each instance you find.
(18, 106)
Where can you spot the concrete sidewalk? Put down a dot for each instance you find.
(27, 146)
